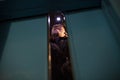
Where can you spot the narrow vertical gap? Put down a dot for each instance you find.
(59, 58)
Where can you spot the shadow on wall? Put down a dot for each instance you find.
(4, 30)
(113, 18)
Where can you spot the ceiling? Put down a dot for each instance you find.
(12, 9)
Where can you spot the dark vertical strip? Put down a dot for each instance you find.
(4, 30)
(59, 58)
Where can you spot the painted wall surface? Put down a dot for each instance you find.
(116, 6)
(94, 50)
(111, 10)
(25, 53)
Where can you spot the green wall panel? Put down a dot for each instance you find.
(25, 52)
(95, 51)
(94, 48)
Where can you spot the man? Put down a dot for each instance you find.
(59, 53)
(59, 29)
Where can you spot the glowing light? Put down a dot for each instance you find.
(48, 19)
(58, 18)
(64, 18)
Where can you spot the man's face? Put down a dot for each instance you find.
(58, 29)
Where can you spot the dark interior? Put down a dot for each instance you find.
(12, 9)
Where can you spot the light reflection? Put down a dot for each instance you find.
(49, 20)
(58, 19)
(64, 18)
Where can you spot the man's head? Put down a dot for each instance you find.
(58, 30)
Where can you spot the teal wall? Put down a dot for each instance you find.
(112, 13)
(25, 53)
(94, 49)
(116, 6)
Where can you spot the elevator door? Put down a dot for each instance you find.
(94, 49)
